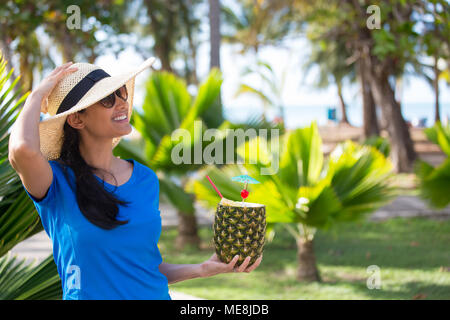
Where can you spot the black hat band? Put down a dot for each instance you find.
(80, 89)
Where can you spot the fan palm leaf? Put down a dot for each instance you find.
(18, 217)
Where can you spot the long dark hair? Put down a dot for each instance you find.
(96, 203)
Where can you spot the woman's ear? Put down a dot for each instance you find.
(75, 120)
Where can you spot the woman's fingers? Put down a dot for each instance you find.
(66, 70)
(57, 69)
(232, 263)
(69, 70)
(244, 265)
(254, 265)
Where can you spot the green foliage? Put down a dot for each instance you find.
(19, 281)
(440, 135)
(168, 107)
(434, 183)
(380, 143)
(18, 217)
(385, 43)
(256, 23)
(306, 190)
(302, 161)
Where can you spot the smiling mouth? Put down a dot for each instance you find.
(121, 118)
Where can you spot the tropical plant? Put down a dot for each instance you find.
(434, 183)
(270, 92)
(18, 217)
(22, 281)
(306, 192)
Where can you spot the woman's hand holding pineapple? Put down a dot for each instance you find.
(214, 266)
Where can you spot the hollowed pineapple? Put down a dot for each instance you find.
(239, 229)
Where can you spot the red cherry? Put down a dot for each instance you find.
(244, 194)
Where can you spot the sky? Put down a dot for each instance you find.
(298, 91)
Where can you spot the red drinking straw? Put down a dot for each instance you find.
(214, 186)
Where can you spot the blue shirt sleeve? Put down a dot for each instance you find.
(47, 206)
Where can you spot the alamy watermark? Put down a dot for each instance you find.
(259, 149)
(74, 20)
(374, 280)
(374, 20)
(73, 279)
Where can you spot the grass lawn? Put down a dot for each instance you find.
(413, 256)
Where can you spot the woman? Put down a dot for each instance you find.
(101, 212)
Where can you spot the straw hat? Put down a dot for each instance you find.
(79, 90)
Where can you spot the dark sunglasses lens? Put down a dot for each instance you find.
(122, 92)
(108, 101)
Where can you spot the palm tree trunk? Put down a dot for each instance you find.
(6, 52)
(26, 70)
(163, 29)
(191, 74)
(370, 119)
(67, 49)
(307, 268)
(437, 117)
(344, 119)
(187, 231)
(214, 39)
(403, 154)
(214, 32)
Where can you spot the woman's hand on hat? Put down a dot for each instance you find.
(49, 82)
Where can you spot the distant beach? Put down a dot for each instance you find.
(299, 116)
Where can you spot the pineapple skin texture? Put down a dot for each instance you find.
(239, 231)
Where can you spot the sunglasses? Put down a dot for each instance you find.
(109, 101)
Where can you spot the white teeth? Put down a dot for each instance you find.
(120, 118)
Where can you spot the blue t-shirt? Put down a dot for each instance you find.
(95, 263)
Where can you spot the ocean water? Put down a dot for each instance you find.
(300, 116)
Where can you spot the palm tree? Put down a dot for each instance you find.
(270, 92)
(214, 59)
(384, 53)
(331, 59)
(214, 33)
(305, 194)
(257, 23)
(435, 42)
(18, 217)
